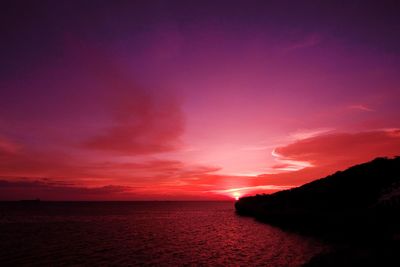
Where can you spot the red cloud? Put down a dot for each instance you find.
(8, 146)
(142, 124)
(64, 172)
(178, 180)
(17, 159)
(343, 148)
(28, 163)
(143, 120)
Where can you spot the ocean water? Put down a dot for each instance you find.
(144, 234)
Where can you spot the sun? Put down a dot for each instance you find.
(236, 195)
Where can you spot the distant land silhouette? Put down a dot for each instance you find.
(357, 210)
(36, 200)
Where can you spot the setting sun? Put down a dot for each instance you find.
(236, 195)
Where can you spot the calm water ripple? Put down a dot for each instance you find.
(143, 234)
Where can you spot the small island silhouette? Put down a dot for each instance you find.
(356, 210)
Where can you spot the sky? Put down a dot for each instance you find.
(192, 100)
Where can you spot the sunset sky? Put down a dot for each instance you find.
(192, 100)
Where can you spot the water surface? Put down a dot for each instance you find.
(143, 233)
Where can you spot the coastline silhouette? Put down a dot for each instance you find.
(357, 210)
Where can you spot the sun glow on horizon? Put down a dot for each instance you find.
(236, 195)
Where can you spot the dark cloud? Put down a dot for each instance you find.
(29, 189)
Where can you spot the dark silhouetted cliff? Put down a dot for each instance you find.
(365, 196)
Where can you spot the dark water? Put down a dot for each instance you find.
(143, 233)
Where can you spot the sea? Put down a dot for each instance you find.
(144, 234)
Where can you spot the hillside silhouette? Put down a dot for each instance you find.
(357, 210)
(364, 196)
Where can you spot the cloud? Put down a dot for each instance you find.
(7, 146)
(73, 178)
(143, 120)
(58, 165)
(310, 40)
(287, 163)
(17, 189)
(68, 177)
(141, 124)
(308, 133)
(339, 150)
(251, 189)
(327, 153)
(361, 107)
(88, 105)
(163, 171)
(12, 188)
(66, 173)
(17, 159)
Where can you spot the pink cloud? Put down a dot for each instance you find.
(339, 150)
(288, 164)
(310, 40)
(308, 133)
(361, 107)
(326, 154)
